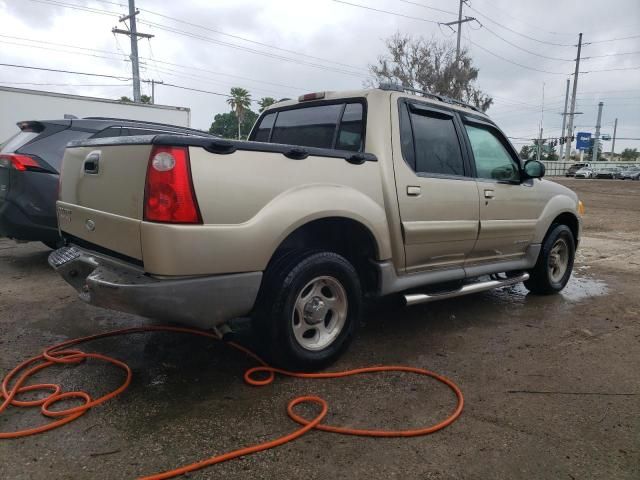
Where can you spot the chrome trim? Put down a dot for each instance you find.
(416, 298)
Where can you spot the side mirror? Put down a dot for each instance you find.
(534, 169)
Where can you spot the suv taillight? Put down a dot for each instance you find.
(19, 162)
(169, 196)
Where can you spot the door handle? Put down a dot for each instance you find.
(488, 194)
(91, 164)
(413, 190)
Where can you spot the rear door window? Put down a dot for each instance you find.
(435, 147)
(309, 127)
(333, 126)
(350, 134)
(263, 131)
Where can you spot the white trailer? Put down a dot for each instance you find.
(18, 104)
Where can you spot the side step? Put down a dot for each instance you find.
(416, 298)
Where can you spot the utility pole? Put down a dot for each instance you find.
(564, 116)
(613, 144)
(459, 22)
(573, 101)
(133, 34)
(153, 90)
(541, 126)
(596, 140)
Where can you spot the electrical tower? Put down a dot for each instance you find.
(133, 34)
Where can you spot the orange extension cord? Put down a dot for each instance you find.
(62, 354)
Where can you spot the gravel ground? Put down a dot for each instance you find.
(187, 400)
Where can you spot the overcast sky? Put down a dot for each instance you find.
(327, 45)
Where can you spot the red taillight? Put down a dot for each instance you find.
(169, 195)
(19, 162)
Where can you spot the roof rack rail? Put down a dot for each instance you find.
(396, 87)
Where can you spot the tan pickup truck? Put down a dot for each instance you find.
(336, 197)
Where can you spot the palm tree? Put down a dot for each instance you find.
(240, 100)
(266, 102)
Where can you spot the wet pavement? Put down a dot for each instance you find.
(551, 384)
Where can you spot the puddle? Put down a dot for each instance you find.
(580, 288)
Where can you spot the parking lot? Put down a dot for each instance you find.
(551, 384)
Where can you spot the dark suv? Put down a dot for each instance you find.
(30, 163)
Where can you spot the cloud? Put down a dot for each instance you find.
(348, 35)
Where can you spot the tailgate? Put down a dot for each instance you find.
(102, 195)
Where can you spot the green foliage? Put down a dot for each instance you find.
(266, 102)
(143, 99)
(530, 152)
(430, 65)
(630, 154)
(226, 124)
(525, 152)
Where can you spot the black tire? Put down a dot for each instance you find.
(541, 280)
(274, 319)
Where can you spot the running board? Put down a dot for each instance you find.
(416, 298)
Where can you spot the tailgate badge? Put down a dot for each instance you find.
(90, 225)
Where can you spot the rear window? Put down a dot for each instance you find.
(17, 141)
(51, 148)
(336, 125)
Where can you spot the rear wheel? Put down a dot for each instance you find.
(309, 308)
(555, 262)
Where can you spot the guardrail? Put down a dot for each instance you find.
(556, 169)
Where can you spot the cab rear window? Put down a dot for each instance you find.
(335, 126)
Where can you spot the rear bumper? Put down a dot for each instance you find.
(203, 301)
(15, 223)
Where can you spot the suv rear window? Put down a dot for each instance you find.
(17, 141)
(334, 125)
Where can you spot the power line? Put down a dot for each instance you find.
(65, 71)
(428, 7)
(251, 50)
(387, 12)
(613, 69)
(519, 33)
(67, 84)
(511, 61)
(527, 22)
(46, 42)
(613, 39)
(524, 49)
(611, 55)
(175, 30)
(238, 37)
(197, 90)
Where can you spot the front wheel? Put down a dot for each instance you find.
(555, 262)
(309, 309)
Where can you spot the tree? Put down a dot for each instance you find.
(266, 102)
(525, 152)
(547, 151)
(430, 65)
(629, 154)
(226, 124)
(240, 101)
(143, 99)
